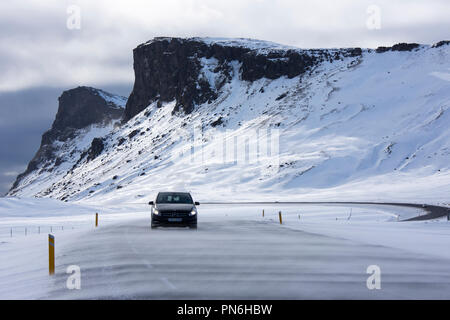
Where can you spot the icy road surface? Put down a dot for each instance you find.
(236, 253)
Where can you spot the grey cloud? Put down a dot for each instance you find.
(37, 49)
(24, 116)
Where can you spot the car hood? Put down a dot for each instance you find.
(174, 207)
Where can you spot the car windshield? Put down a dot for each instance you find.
(172, 197)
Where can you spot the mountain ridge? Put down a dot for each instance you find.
(346, 117)
(164, 66)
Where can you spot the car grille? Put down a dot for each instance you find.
(175, 214)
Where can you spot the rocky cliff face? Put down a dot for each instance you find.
(81, 107)
(168, 69)
(78, 108)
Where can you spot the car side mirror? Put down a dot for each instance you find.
(197, 203)
(151, 203)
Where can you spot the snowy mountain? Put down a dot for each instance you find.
(83, 112)
(245, 119)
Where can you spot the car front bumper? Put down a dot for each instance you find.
(164, 219)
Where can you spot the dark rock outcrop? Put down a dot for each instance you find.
(398, 47)
(78, 108)
(165, 70)
(441, 43)
(168, 69)
(132, 134)
(96, 149)
(217, 122)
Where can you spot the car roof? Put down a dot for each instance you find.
(173, 192)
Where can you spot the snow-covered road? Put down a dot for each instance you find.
(234, 256)
(238, 254)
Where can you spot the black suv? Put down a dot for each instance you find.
(174, 208)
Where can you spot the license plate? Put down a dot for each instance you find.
(175, 219)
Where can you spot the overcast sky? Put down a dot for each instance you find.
(42, 50)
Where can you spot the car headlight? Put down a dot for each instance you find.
(193, 212)
(155, 211)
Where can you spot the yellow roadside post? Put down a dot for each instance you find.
(96, 220)
(281, 219)
(51, 254)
